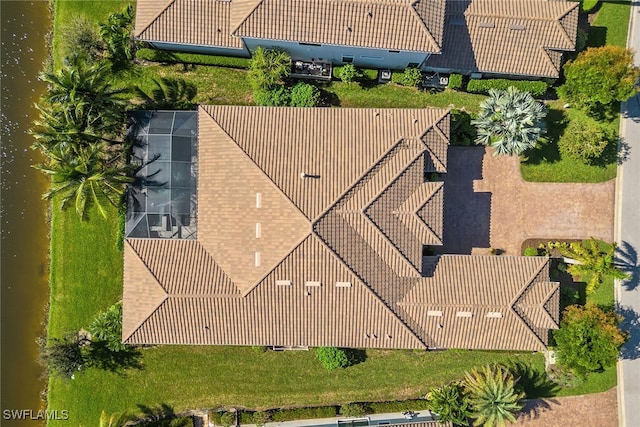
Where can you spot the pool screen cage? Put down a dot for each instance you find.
(162, 200)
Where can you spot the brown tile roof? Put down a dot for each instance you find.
(340, 255)
(508, 296)
(196, 22)
(385, 24)
(507, 37)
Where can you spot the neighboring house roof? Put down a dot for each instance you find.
(384, 24)
(507, 37)
(414, 25)
(311, 224)
(196, 22)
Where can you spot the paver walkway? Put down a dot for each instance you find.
(590, 410)
(488, 204)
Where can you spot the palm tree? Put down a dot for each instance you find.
(107, 327)
(509, 121)
(117, 419)
(450, 402)
(594, 262)
(492, 395)
(85, 95)
(85, 176)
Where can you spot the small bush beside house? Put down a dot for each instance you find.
(332, 357)
(304, 95)
(455, 82)
(410, 77)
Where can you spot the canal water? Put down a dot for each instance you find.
(24, 230)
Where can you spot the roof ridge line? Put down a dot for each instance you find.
(563, 31)
(242, 21)
(548, 58)
(164, 301)
(546, 299)
(284, 257)
(155, 18)
(145, 264)
(430, 36)
(253, 161)
(370, 290)
(377, 196)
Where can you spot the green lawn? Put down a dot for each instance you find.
(546, 164)
(611, 24)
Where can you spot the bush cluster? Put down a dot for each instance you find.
(352, 410)
(462, 131)
(410, 77)
(301, 95)
(535, 88)
(586, 141)
(530, 251)
(455, 82)
(333, 357)
(304, 413)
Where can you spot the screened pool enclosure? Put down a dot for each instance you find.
(162, 202)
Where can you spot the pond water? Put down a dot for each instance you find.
(24, 231)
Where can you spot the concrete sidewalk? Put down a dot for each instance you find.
(419, 419)
(627, 234)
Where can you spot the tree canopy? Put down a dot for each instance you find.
(589, 339)
(509, 121)
(268, 68)
(450, 402)
(599, 77)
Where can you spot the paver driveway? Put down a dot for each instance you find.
(488, 204)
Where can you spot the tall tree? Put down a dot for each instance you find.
(589, 338)
(594, 261)
(116, 34)
(85, 176)
(599, 77)
(492, 395)
(509, 121)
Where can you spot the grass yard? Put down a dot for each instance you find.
(611, 24)
(546, 164)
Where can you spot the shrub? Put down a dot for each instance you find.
(64, 356)
(411, 77)
(530, 251)
(228, 419)
(462, 131)
(81, 35)
(586, 141)
(535, 88)
(268, 68)
(303, 413)
(260, 418)
(455, 82)
(347, 73)
(116, 34)
(304, 95)
(352, 410)
(589, 339)
(275, 97)
(332, 357)
(450, 402)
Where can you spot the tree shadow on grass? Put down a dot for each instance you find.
(356, 355)
(101, 357)
(597, 36)
(155, 413)
(547, 149)
(534, 383)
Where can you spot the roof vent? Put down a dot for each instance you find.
(486, 25)
(369, 14)
(283, 282)
(312, 283)
(494, 315)
(258, 200)
(517, 27)
(349, 28)
(343, 284)
(434, 313)
(257, 259)
(464, 314)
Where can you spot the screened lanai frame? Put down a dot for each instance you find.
(162, 200)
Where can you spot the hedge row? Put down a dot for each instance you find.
(191, 58)
(363, 73)
(279, 415)
(535, 88)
